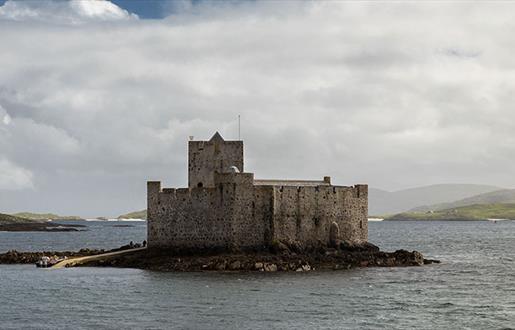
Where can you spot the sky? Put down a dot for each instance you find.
(98, 97)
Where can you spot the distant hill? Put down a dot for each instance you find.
(16, 223)
(470, 212)
(504, 196)
(45, 216)
(135, 215)
(383, 202)
(6, 219)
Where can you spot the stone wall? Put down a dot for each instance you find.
(237, 213)
(232, 214)
(186, 218)
(304, 214)
(207, 157)
(251, 209)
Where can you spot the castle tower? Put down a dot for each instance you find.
(207, 157)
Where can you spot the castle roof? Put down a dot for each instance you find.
(217, 138)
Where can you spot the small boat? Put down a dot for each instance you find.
(46, 262)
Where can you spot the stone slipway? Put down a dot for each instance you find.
(71, 262)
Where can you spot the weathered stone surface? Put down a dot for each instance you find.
(270, 267)
(207, 157)
(279, 247)
(221, 266)
(357, 247)
(228, 210)
(235, 265)
(334, 235)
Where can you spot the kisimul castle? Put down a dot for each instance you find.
(226, 207)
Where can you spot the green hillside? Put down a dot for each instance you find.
(18, 224)
(504, 196)
(470, 212)
(392, 202)
(45, 216)
(6, 219)
(135, 215)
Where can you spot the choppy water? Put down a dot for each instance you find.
(474, 287)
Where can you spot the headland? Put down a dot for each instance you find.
(16, 223)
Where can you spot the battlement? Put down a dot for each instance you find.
(303, 183)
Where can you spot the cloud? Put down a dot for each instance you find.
(6, 120)
(13, 177)
(394, 95)
(63, 11)
(4, 116)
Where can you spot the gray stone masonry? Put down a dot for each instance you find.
(225, 208)
(207, 157)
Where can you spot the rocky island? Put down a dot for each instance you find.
(226, 220)
(279, 258)
(269, 261)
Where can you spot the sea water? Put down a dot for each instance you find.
(473, 287)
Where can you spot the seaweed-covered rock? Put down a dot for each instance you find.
(364, 255)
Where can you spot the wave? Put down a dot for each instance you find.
(114, 220)
(123, 219)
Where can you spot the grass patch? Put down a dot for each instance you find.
(470, 212)
(135, 215)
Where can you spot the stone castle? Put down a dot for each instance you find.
(225, 207)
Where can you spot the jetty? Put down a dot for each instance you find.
(71, 262)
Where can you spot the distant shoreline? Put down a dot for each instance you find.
(39, 227)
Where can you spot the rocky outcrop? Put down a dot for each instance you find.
(346, 256)
(15, 257)
(281, 258)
